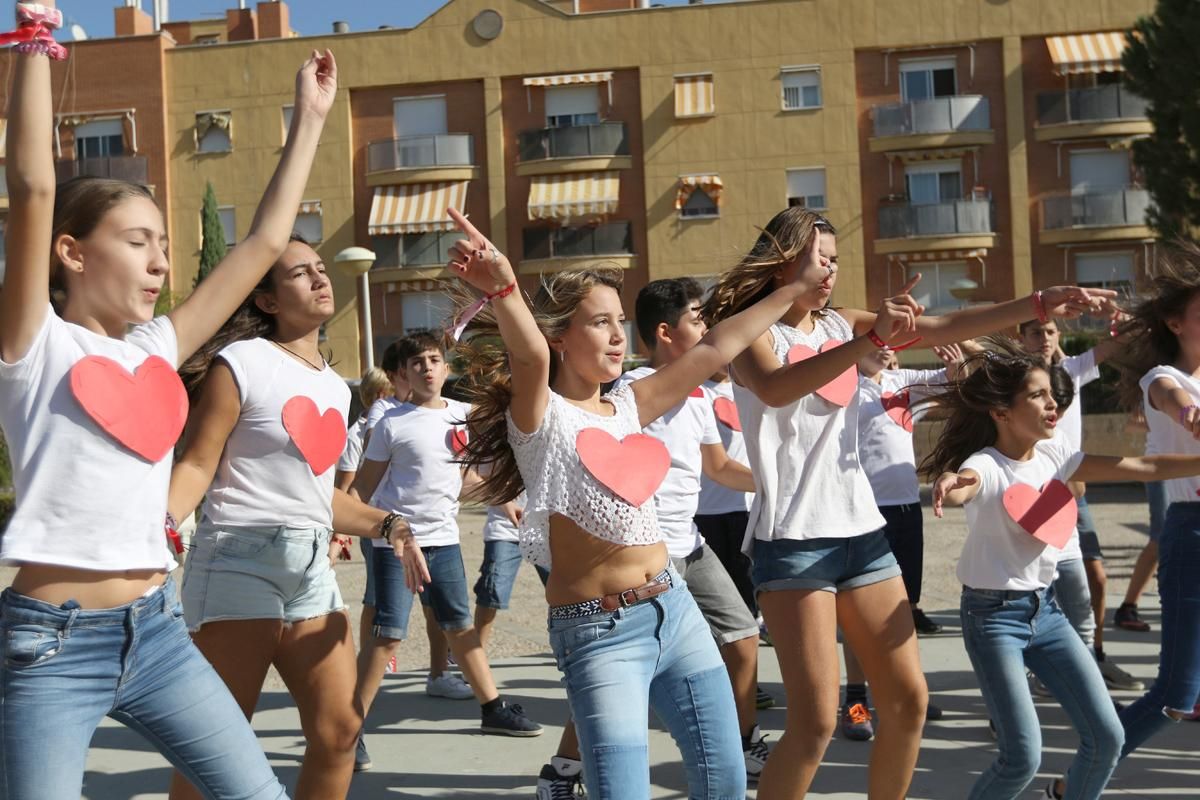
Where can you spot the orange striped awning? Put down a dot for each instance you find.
(940, 255)
(310, 207)
(694, 96)
(415, 208)
(566, 80)
(584, 194)
(710, 184)
(1086, 52)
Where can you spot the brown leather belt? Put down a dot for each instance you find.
(611, 602)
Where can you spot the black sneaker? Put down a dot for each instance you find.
(924, 624)
(1126, 617)
(933, 713)
(561, 779)
(362, 759)
(509, 720)
(762, 699)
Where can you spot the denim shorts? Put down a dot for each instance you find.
(497, 574)
(258, 573)
(829, 565)
(446, 593)
(1089, 541)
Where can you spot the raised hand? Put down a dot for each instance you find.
(947, 483)
(898, 314)
(1072, 302)
(476, 260)
(316, 84)
(952, 356)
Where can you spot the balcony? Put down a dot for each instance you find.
(133, 169)
(952, 225)
(550, 249)
(420, 159)
(958, 121)
(1099, 111)
(578, 148)
(1098, 215)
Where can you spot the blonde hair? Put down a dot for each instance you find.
(374, 385)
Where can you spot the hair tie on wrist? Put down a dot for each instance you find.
(469, 314)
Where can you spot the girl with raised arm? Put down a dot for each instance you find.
(91, 407)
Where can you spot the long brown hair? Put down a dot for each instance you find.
(487, 381)
(788, 234)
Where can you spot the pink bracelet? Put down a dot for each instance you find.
(1183, 412)
(1039, 307)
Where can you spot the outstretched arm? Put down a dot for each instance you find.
(954, 488)
(1137, 468)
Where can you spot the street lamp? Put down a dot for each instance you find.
(963, 289)
(357, 261)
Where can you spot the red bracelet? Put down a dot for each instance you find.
(505, 292)
(878, 342)
(875, 340)
(171, 527)
(1039, 307)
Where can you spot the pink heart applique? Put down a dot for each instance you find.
(727, 413)
(841, 389)
(697, 392)
(1047, 514)
(896, 407)
(320, 438)
(456, 439)
(144, 410)
(632, 468)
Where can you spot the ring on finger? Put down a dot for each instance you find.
(495, 254)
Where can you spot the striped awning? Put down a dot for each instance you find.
(940, 255)
(3, 138)
(415, 208)
(694, 95)
(310, 207)
(1086, 52)
(710, 184)
(584, 194)
(566, 80)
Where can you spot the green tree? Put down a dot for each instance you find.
(1162, 64)
(212, 235)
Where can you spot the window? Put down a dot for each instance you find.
(1099, 169)
(926, 79)
(937, 283)
(607, 239)
(568, 106)
(208, 38)
(100, 138)
(419, 116)
(699, 204)
(308, 224)
(228, 223)
(936, 182)
(425, 310)
(1105, 271)
(214, 132)
(287, 121)
(806, 187)
(413, 249)
(801, 88)
(694, 96)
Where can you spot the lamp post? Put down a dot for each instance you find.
(357, 261)
(964, 289)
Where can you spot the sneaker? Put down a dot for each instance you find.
(933, 713)
(754, 748)
(1117, 678)
(561, 779)
(992, 731)
(1126, 617)
(448, 685)
(762, 699)
(924, 624)
(1195, 715)
(509, 720)
(1037, 688)
(764, 635)
(855, 723)
(1050, 791)
(362, 759)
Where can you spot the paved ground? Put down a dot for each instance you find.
(430, 748)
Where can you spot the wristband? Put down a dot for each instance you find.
(1039, 307)
(1183, 412)
(171, 527)
(385, 527)
(477, 306)
(880, 343)
(875, 340)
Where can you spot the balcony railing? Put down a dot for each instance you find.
(133, 169)
(608, 239)
(1112, 102)
(414, 152)
(1096, 208)
(968, 112)
(579, 141)
(935, 219)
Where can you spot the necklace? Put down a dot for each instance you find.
(322, 366)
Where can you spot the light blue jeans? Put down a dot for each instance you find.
(658, 653)
(1006, 633)
(65, 669)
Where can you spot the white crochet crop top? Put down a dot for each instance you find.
(556, 482)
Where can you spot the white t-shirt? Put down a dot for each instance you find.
(998, 553)
(352, 454)
(885, 447)
(1083, 370)
(715, 498)
(498, 527)
(804, 456)
(83, 499)
(683, 430)
(263, 478)
(378, 409)
(1167, 436)
(422, 482)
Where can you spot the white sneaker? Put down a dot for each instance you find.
(448, 685)
(561, 779)
(755, 750)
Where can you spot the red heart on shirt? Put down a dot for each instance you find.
(727, 413)
(457, 440)
(320, 438)
(632, 468)
(144, 410)
(1047, 514)
(896, 406)
(697, 392)
(841, 389)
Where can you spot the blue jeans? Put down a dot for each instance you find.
(66, 668)
(1007, 632)
(1073, 596)
(658, 653)
(1156, 498)
(1177, 686)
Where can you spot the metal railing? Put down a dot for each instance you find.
(1089, 105)
(577, 141)
(434, 150)
(134, 169)
(1096, 208)
(607, 239)
(935, 219)
(967, 112)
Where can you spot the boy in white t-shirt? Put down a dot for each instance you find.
(410, 467)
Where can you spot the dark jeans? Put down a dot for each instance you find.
(724, 533)
(905, 532)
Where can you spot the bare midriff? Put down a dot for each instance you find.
(585, 566)
(92, 590)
